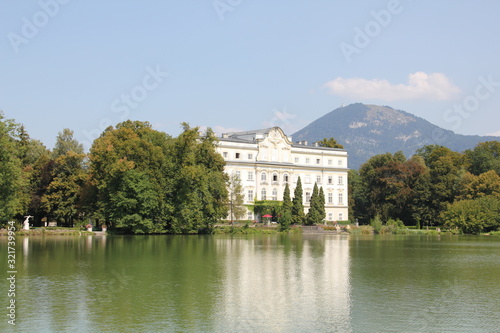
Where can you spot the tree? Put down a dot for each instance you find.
(201, 195)
(330, 143)
(321, 205)
(485, 184)
(473, 216)
(357, 204)
(10, 172)
(298, 216)
(133, 175)
(236, 198)
(484, 157)
(63, 193)
(286, 209)
(65, 142)
(445, 173)
(314, 214)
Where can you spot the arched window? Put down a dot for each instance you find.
(263, 194)
(275, 194)
(275, 177)
(263, 176)
(285, 178)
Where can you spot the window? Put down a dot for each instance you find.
(296, 160)
(263, 176)
(250, 195)
(341, 217)
(330, 198)
(237, 155)
(341, 162)
(224, 154)
(318, 179)
(308, 196)
(250, 175)
(275, 194)
(308, 179)
(341, 198)
(308, 160)
(275, 177)
(263, 194)
(285, 178)
(238, 174)
(249, 215)
(295, 178)
(318, 161)
(341, 180)
(330, 216)
(330, 162)
(250, 156)
(330, 180)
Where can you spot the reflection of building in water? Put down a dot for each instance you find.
(274, 283)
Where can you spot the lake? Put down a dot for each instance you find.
(258, 283)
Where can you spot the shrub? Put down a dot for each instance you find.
(376, 223)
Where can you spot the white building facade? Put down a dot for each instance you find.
(265, 160)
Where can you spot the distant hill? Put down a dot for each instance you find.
(368, 130)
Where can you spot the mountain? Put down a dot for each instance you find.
(368, 130)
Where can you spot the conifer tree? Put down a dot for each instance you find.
(286, 209)
(298, 215)
(313, 215)
(322, 202)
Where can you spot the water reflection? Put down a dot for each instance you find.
(274, 283)
(287, 284)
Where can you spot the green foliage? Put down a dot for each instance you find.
(314, 215)
(473, 216)
(389, 185)
(485, 184)
(62, 194)
(321, 204)
(271, 207)
(199, 182)
(397, 223)
(298, 215)
(330, 143)
(286, 209)
(236, 198)
(132, 175)
(484, 157)
(10, 172)
(148, 182)
(376, 224)
(66, 143)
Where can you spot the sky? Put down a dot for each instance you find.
(236, 65)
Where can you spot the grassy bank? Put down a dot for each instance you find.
(49, 231)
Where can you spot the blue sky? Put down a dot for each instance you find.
(241, 64)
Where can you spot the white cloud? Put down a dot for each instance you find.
(434, 86)
(494, 134)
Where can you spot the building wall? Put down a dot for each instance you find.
(266, 163)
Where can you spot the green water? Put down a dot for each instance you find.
(267, 283)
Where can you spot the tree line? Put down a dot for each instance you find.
(435, 187)
(134, 179)
(139, 180)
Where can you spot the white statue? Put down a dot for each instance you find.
(27, 222)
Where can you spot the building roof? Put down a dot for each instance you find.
(260, 134)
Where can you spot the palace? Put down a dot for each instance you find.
(265, 160)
